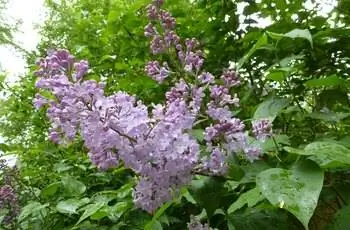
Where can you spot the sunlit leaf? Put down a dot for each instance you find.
(297, 190)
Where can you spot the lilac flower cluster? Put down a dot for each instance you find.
(9, 202)
(226, 134)
(189, 56)
(8, 196)
(119, 127)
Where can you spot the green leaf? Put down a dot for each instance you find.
(62, 167)
(262, 218)
(2, 79)
(270, 108)
(235, 172)
(208, 193)
(4, 147)
(251, 198)
(121, 66)
(252, 170)
(154, 224)
(286, 61)
(33, 208)
(89, 211)
(261, 42)
(330, 98)
(72, 186)
(68, 206)
(269, 144)
(277, 75)
(345, 141)
(296, 151)
(117, 210)
(230, 224)
(198, 134)
(232, 185)
(332, 80)
(297, 190)
(329, 116)
(103, 212)
(125, 190)
(328, 154)
(51, 189)
(298, 33)
(186, 194)
(113, 15)
(341, 220)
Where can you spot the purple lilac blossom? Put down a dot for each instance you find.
(230, 78)
(118, 127)
(217, 162)
(157, 45)
(197, 98)
(150, 30)
(9, 201)
(179, 91)
(262, 129)
(40, 101)
(171, 38)
(206, 77)
(168, 22)
(152, 12)
(157, 72)
(8, 194)
(191, 59)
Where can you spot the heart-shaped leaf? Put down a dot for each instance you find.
(297, 190)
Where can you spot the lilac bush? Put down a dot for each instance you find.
(8, 195)
(155, 141)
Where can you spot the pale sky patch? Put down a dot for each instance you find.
(30, 12)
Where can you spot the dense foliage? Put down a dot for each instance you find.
(236, 127)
